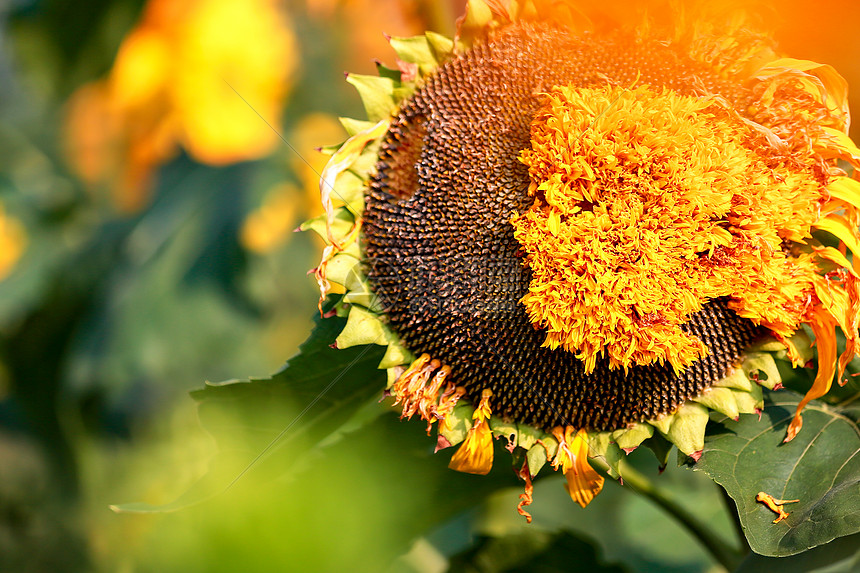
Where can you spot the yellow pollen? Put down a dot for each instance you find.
(648, 204)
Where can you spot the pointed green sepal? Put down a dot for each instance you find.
(663, 423)
(527, 436)
(362, 327)
(349, 188)
(661, 448)
(441, 45)
(505, 430)
(416, 50)
(767, 344)
(377, 95)
(390, 73)
(688, 428)
(339, 267)
(760, 367)
(353, 126)
(352, 249)
(341, 227)
(396, 355)
(330, 149)
(539, 454)
(736, 379)
(366, 162)
(630, 438)
(799, 339)
(602, 445)
(455, 427)
(359, 293)
(721, 400)
(403, 92)
(749, 402)
(342, 309)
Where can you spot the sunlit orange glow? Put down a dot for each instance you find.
(194, 74)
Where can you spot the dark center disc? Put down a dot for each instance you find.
(440, 250)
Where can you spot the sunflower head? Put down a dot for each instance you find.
(592, 233)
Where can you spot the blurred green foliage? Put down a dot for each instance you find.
(109, 319)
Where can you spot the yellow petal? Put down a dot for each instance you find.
(583, 482)
(838, 144)
(820, 80)
(839, 227)
(846, 189)
(475, 456)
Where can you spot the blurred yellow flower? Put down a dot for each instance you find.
(193, 73)
(394, 17)
(308, 162)
(13, 241)
(286, 205)
(268, 226)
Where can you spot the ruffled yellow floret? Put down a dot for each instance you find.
(648, 204)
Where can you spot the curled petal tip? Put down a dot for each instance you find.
(441, 443)
(793, 428)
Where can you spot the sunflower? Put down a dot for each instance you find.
(578, 234)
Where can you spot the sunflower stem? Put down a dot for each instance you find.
(719, 549)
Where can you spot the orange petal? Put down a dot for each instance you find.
(527, 497)
(823, 325)
(775, 505)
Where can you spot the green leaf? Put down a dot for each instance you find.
(820, 467)
(839, 556)
(290, 414)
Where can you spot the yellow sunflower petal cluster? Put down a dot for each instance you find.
(647, 205)
(179, 79)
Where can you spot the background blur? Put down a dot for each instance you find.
(147, 209)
